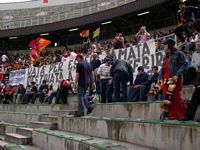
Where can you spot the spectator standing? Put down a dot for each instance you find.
(196, 58)
(142, 35)
(84, 76)
(121, 72)
(4, 58)
(185, 17)
(173, 67)
(105, 82)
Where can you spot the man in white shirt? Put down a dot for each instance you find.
(4, 58)
(105, 83)
(196, 58)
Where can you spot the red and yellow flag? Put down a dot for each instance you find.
(85, 33)
(42, 43)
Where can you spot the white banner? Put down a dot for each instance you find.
(51, 73)
(138, 55)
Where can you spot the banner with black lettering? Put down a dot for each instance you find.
(141, 55)
(51, 73)
(138, 55)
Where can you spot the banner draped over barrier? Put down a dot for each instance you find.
(138, 55)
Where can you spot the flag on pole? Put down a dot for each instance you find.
(45, 1)
(96, 33)
(84, 33)
(42, 43)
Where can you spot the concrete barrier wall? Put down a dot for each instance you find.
(48, 142)
(144, 110)
(166, 135)
(21, 118)
(36, 108)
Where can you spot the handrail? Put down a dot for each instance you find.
(66, 12)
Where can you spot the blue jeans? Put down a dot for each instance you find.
(120, 77)
(106, 91)
(82, 99)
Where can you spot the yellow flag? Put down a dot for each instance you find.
(96, 33)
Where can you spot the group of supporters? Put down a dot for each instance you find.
(112, 79)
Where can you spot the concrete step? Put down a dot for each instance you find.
(45, 139)
(18, 117)
(135, 110)
(7, 127)
(64, 112)
(17, 138)
(44, 109)
(148, 133)
(48, 118)
(47, 125)
(25, 131)
(3, 145)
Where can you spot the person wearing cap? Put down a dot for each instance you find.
(105, 82)
(173, 67)
(84, 77)
(185, 17)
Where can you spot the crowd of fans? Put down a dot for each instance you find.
(111, 76)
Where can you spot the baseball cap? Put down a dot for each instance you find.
(169, 41)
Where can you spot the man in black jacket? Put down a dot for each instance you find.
(121, 72)
(185, 17)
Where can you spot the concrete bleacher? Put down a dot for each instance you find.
(116, 126)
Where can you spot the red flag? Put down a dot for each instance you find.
(45, 1)
(33, 55)
(33, 44)
(42, 43)
(84, 33)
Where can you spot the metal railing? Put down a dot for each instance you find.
(43, 15)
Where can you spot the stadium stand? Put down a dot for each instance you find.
(42, 90)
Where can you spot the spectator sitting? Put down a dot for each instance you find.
(19, 94)
(63, 91)
(9, 95)
(43, 90)
(139, 89)
(31, 91)
(152, 82)
(50, 95)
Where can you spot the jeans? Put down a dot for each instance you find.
(120, 78)
(186, 28)
(50, 97)
(106, 91)
(82, 99)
